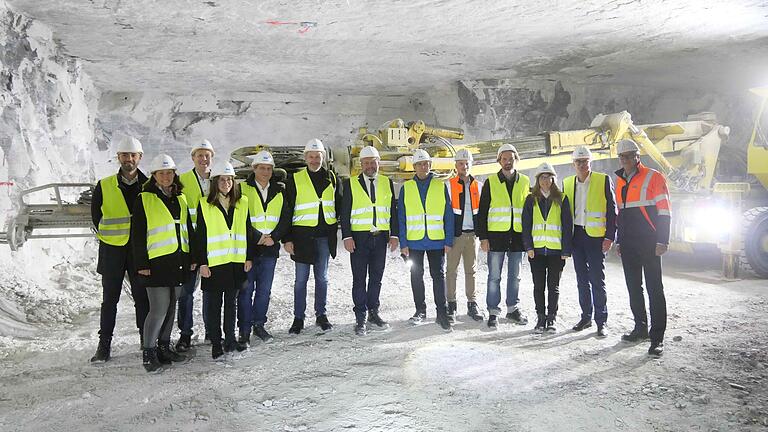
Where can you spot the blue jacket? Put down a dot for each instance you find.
(448, 222)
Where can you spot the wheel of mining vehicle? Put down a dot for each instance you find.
(755, 254)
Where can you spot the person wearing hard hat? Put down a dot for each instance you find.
(426, 228)
(160, 230)
(499, 228)
(313, 200)
(547, 234)
(594, 229)
(465, 202)
(643, 224)
(223, 249)
(267, 206)
(111, 207)
(368, 225)
(196, 185)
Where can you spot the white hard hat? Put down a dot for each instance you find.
(627, 145)
(314, 145)
(222, 168)
(421, 155)
(463, 155)
(262, 157)
(581, 152)
(203, 145)
(369, 152)
(162, 162)
(129, 144)
(545, 167)
(506, 147)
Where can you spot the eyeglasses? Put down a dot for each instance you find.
(630, 156)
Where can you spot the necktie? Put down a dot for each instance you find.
(372, 194)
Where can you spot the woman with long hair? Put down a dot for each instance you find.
(160, 230)
(224, 250)
(547, 228)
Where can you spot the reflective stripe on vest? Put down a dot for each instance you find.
(115, 224)
(263, 220)
(306, 209)
(361, 216)
(225, 245)
(596, 202)
(192, 193)
(161, 226)
(504, 213)
(456, 191)
(547, 234)
(418, 221)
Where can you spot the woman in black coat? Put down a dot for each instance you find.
(223, 254)
(159, 228)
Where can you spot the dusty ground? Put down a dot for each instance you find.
(713, 375)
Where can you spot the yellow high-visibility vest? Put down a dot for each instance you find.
(596, 202)
(226, 245)
(504, 213)
(547, 234)
(306, 209)
(161, 226)
(264, 220)
(192, 193)
(361, 216)
(420, 221)
(115, 224)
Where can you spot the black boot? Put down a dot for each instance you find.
(262, 333)
(244, 339)
(636, 335)
(551, 324)
(473, 312)
(150, 360)
(360, 328)
(297, 326)
(418, 318)
(375, 319)
(216, 349)
(443, 321)
(541, 323)
(452, 306)
(656, 349)
(323, 322)
(493, 322)
(103, 351)
(517, 317)
(166, 355)
(582, 324)
(184, 343)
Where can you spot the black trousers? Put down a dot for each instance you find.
(640, 259)
(367, 262)
(112, 286)
(436, 260)
(546, 271)
(229, 297)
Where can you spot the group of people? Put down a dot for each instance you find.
(171, 232)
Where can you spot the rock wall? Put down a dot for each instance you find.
(46, 135)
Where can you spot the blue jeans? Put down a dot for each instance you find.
(367, 262)
(493, 295)
(320, 267)
(186, 303)
(589, 263)
(252, 311)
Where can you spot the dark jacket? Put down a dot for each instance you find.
(346, 208)
(224, 276)
(115, 260)
(610, 204)
(566, 225)
(303, 238)
(459, 218)
(167, 270)
(508, 241)
(283, 226)
(426, 243)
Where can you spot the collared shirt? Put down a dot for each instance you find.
(205, 184)
(467, 224)
(128, 182)
(263, 191)
(580, 201)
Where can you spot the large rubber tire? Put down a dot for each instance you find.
(755, 253)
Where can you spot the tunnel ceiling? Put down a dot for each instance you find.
(396, 47)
